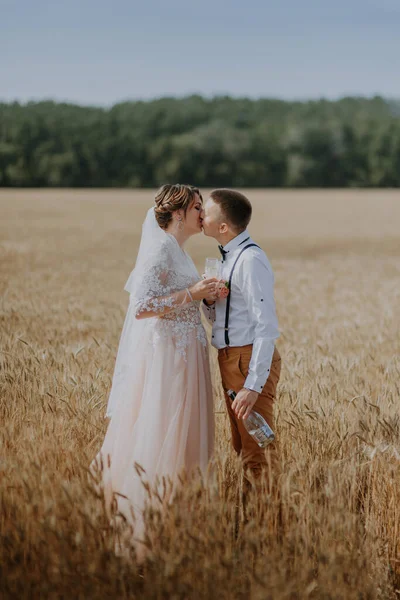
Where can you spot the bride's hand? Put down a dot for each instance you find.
(205, 289)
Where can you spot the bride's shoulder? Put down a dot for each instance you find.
(168, 247)
(162, 253)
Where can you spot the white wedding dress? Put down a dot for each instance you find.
(160, 404)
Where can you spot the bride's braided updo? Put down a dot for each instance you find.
(171, 197)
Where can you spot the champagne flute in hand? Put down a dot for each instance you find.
(213, 268)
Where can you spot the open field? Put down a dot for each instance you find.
(329, 528)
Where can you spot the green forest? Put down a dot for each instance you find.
(352, 142)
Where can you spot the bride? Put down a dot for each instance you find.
(160, 404)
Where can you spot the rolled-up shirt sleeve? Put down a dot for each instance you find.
(257, 280)
(209, 311)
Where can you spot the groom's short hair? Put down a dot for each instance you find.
(235, 207)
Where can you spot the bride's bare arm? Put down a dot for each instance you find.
(162, 305)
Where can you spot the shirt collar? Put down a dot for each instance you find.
(235, 243)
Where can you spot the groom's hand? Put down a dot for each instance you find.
(244, 402)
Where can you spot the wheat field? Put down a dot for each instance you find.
(328, 527)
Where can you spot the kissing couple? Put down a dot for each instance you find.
(161, 401)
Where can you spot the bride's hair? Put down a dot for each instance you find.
(171, 197)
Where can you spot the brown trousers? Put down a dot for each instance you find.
(234, 367)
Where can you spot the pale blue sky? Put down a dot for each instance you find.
(98, 52)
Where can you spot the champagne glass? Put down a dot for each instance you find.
(213, 268)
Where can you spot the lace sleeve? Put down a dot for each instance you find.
(158, 292)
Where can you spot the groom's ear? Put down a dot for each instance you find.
(223, 228)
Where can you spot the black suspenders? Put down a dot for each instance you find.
(228, 300)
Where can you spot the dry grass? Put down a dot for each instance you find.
(330, 528)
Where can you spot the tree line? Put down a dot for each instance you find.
(352, 142)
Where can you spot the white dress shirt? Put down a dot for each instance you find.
(252, 315)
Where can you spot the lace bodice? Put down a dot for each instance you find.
(171, 270)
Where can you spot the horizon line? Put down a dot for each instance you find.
(206, 97)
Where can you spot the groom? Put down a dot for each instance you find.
(245, 327)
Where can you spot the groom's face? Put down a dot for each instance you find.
(213, 224)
